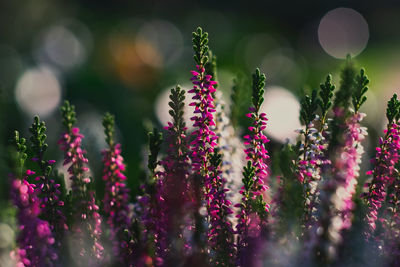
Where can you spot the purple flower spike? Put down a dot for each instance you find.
(204, 138)
(251, 227)
(347, 167)
(35, 240)
(386, 156)
(116, 196)
(86, 219)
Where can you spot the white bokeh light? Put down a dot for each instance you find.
(282, 109)
(343, 31)
(38, 91)
(165, 37)
(64, 45)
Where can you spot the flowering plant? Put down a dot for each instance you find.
(191, 211)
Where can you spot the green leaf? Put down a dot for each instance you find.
(68, 115)
(309, 105)
(155, 141)
(392, 110)
(343, 95)
(326, 94)
(200, 46)
(109, 128)
(258, 89)
(358, 97)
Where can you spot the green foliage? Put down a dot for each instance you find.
(200, 46)
(109, 128)
(258, 89)
(177, 105)
(358, 97)
(326, 94)
(211, 67)
(291, 191)
(393, 109)
(258, 206)
(309, 107)
(216, 159)
(18, 154)
(248, 176)
(68, 115)
(238, 96)
(155, 141)
(38, 138)
(342, 96)
(39, 146)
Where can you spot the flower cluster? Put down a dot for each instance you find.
(35, 241)
(339, 185)
(48, 189)
(87, 220)
(253, 210)
(190, 210)
(116, 197)
(383, 188)
(347, 168)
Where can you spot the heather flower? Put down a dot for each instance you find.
(49, 191)
(205, 139)
(383, 194)
(220, 232)
(116, 196)
(86, 226)
(253, 210)
(391, 224)
(35, 239)
(313, 150)
(339, 185)
(347, 167)
(151, 204)
(204, 142)
(384, 172)
(174, 187)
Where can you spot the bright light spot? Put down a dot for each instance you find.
(343, 31)
(63, 48)
(91, 126)
(165, 38)
(64, 45)
(38, 91)
(282, 109)
(148, 53)
(6, 235)
(162, 107)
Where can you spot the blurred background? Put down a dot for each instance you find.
(124, 56)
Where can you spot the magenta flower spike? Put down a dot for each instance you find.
(49, 190)
(347, 167)
(251, 227)
(35, 241)
(384, 172)
(86, 228)
(205, 138)
(35, 238)
(383, 192)
(151, 206)
(173, 188)
(116, 195)
(340, 180)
